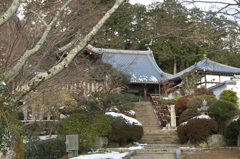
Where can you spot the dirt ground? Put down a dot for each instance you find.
(212, 154)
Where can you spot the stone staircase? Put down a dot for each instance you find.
(160, 144)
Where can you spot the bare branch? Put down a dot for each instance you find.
(40, 78)
(28, 53)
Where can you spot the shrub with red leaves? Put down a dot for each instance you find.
(188, 114)
(199, 129)
(181, 104)
(182, 133)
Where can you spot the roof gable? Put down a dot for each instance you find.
(140, 65)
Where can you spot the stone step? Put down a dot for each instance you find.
(159, 142)
(150, 131)
(163, 145)
(156, 151)
(153, 156)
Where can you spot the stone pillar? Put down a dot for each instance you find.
(33, 112)
(48, 115)
(173, 117)
(25, 112)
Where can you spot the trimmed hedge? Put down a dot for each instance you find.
(122, 132)
(233, 129)
(188, 114)
(45, 149)
(199, 129)
(196, 130)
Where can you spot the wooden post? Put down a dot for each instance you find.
(145, 93)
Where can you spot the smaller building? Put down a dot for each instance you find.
(212, 73)
(232, 84)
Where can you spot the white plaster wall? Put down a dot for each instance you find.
(214, 78)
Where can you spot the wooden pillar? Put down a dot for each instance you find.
(145, 93)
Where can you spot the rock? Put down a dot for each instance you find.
(202, 143)
(216, 140)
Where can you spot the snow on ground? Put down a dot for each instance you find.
(108, 155)
(47, 137)
(129, 119)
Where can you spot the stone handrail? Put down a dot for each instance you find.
(156, 110)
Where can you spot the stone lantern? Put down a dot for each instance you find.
(204, 108)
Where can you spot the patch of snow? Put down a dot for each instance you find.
(187, 148)
(184, 123)
(236, 118)
(131, 112)
(47, 137)
(3, 83)
(110, 155)
(202, 117)
(129, 119)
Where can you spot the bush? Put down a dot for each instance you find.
(233, 129)
(123, 132)
(45, 149)
(230, 96)
(198, 100)
(181, 104)
(199, 129)
(87, 127)
(203, 91)
(222, 111)
(182, 133)
(188, 114)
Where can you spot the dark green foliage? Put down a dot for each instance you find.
(45, 149)
(188, 114)
(233, 129)
(122, 132)
(199, 129)
(198, 100)
(88, 127)
(182, 133)
(229, 95)
(166, 102)
(203, 91)
(222, 111)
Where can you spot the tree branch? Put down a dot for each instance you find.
(28, 53)
(10, 12)
(40, 78)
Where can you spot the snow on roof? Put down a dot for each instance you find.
(128, 119)
(140, 65)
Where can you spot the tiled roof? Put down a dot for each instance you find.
(228, 82)
(141, 65)
(207, 65)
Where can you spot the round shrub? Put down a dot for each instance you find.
(203, 91)
(229, 95)
(233, 129)
(87, 127)
(198, 100)
(45, 149)
(182, 132)
(181, 104)
(222, 112)
(188, 114)
(198, 129)
(123, 132)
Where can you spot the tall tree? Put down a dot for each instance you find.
(35, 39)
